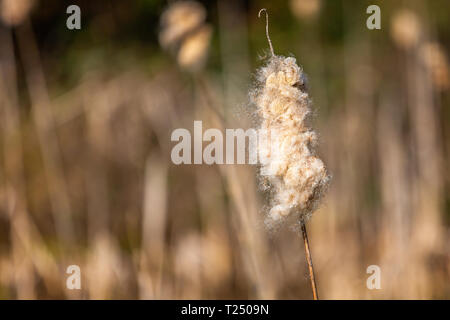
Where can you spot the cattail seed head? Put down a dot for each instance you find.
(14, 12)
(406, 29)
(435, 59)
(185, 34)
(297, 177)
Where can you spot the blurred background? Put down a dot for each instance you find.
(86, 177)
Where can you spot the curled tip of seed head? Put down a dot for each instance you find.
(259, 13)
(267, 29)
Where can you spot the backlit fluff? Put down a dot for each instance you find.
(296, 176)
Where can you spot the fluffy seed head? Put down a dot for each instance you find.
(14, 12)
(434, 57)
(406, 29)
(297, 177)
(185, 34)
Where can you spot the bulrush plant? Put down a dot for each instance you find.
(185, 34)
(295, 176)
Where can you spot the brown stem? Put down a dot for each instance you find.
(309, 260)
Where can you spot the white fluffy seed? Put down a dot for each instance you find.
(297, 177)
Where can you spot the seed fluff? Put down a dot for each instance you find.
(296, 176)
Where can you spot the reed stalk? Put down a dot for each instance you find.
(297, 177)
(309, 261)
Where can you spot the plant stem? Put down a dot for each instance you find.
(309, 260)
